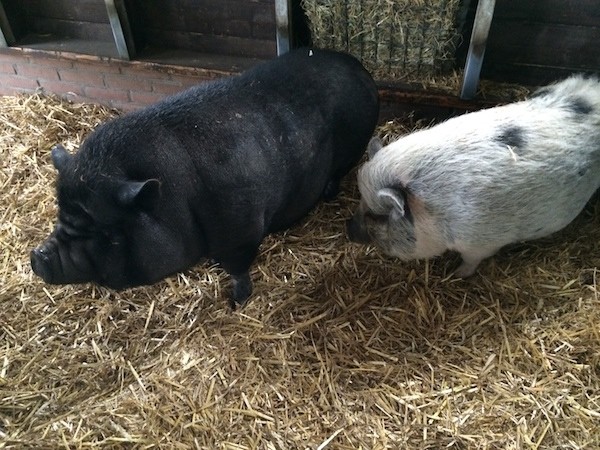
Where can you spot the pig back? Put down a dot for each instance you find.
(207, 172)
(266, 143)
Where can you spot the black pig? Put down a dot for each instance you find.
(208, 172)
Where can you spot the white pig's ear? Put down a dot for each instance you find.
(395, 200)
(60, 157)
(374, 146)
(138, 193)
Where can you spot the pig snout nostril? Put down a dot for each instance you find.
(35, 257)
(40, 254)
(39, 262)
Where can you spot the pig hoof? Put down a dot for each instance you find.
(331, 190)
(472, 259)
(465, 270)
(242, 289)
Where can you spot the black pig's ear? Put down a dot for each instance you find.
(60, 157)
(138, 193)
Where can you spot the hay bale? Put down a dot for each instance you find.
(404, 40)
(339, 347)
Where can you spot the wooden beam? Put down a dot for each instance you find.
(434, 99)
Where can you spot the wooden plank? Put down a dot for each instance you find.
(234, 27)
(78, 46)
(535, 42)
(415, 96)
(68, 28)
(571, 47)
(565, 12)
(231, 27)
(151, 15)
(226, 45)
(526, 74)
(177, 16)
(92, 11)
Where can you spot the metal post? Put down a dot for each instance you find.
(119, 23)
(481, 29)
(282, 21)
(6, 34)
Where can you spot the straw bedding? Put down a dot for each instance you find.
(339, 348)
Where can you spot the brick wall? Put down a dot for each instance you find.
(126, 85)
(129, 85)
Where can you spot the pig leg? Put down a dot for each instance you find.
(331, 190)
(242, 288)
(471, 258)
(237, 263)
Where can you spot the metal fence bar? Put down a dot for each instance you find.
(6, 34)
(283, 23)
(481, 29)
(119, 23)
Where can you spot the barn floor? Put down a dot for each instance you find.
(339, 348)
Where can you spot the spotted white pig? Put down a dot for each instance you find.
(480, 181)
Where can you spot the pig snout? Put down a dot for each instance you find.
(53, 262)
(356, 231)
(41, 263)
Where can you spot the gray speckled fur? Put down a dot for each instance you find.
(469, 190)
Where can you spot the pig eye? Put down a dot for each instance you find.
(377, 218)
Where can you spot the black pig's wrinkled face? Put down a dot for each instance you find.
(106, 232)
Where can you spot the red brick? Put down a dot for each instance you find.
(166, 87)
(86, 77)
(146, 98)
(97, 66)
(106, 95)
(147, 71)
(127, 83)
(48, 60)
(17, 82)
(6, 90)
(186, 80)
(8, 55)
(37, 71)
(127, 107)
(7, 67)
(62, 87)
